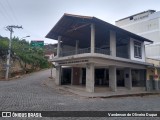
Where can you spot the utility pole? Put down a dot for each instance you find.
(10, 28)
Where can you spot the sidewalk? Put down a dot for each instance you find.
(100, 92)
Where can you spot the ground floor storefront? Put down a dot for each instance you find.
(110, 78)
(99, 71)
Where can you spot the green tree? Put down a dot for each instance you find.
(24, 52)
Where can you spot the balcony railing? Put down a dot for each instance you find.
(97, 50)
(74, 52)
(122, 55)
(85, 50)
(102, 51)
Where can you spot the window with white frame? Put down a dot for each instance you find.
(137, 50)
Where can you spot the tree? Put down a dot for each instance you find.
(22, 50)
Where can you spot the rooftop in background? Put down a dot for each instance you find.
(68, 25)
(148, 11)
(50, 48)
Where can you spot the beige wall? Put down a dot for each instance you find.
(150, 71)
(153, 61)
(155, 70)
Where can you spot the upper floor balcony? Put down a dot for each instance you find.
(83, 34)
(97, 50)
(83, 51)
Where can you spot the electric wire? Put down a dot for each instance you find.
(12, 11)
(3, 13)
(5, 10)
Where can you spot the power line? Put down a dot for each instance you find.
(9, 14)
(15, 17)
(12, 10)
(3, 12)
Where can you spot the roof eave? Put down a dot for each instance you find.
(94, 19)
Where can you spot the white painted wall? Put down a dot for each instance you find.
(153, 51)
(132, 51)
(148, 27)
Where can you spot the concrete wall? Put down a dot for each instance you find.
(153, 61)
(142, 28)
(151, 48)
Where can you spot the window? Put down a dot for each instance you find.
(137, 50)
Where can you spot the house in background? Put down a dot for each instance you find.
(50, 51)
(49, 55)
(97, 53)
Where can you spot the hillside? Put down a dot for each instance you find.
(23, 56)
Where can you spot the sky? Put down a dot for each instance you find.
(38, 17)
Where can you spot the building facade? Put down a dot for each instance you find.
(97, 53)
(145, 24)
(153, 75)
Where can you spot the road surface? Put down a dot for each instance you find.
(30, 94)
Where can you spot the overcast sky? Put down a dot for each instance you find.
(37, 17)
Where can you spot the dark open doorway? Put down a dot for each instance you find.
(66, 76)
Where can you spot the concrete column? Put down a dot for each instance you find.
(58, 75)
(90, 77)
(59, 46)
(81, 74)
(72, 76)
(112, 78)
(92, 38)
(77, 45)
(113, 43)
(149, 85)
(128, 78)
(105, 76)
(156, 80)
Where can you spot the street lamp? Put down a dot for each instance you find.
(24, 37)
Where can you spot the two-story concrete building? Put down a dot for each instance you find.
(97, 53)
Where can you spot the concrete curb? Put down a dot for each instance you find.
(127, 95)
(50, 83)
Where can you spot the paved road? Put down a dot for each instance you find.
(29, 93)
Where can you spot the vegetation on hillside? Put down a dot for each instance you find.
(22, 50)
